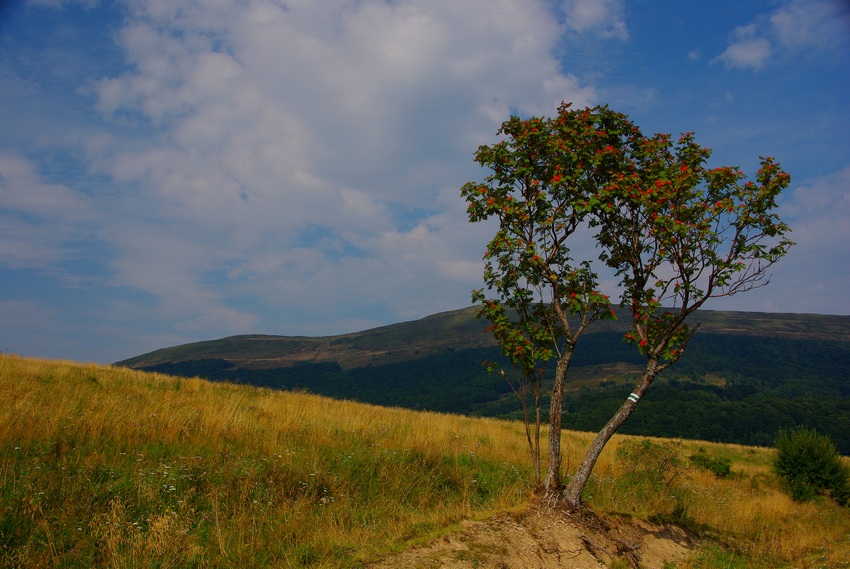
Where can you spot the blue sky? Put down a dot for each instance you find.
(181, 170)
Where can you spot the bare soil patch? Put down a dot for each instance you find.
(547, 537)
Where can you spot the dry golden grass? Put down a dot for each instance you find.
(103, 466)
(110, 466)
(747, 511)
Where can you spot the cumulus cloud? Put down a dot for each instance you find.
(794, 26)
(604, 17)
(818, 24)
(308, 154)
(746, 50)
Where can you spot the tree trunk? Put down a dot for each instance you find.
(552, 483)
(582, 474)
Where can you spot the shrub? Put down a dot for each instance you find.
(719, 466)
(809, 464)
(657, 463)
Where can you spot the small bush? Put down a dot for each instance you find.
(657, 463)
(720, 467)
(809, 464)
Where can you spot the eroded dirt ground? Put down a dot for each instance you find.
(544, 537)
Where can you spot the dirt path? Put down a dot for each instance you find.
(543, 537)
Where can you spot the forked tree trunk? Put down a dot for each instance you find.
(552, 482)
(579, 480)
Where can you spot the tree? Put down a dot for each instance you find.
(677, 233)
(543, 299)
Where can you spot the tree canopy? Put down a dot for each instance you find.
(673, 230)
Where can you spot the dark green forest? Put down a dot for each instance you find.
(727, 388)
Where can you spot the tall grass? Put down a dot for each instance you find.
(108, 466)
(103, 466)
(747, 512)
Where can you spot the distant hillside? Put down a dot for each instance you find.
(452, 331)
(744, 375)
(455, 330)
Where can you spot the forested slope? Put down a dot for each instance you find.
(744, 375)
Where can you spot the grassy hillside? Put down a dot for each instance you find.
(109, 467)
(744, 375)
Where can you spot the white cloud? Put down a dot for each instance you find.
(794, 26)
(604, 17)
(159, 260)
(747, 50)
(820, 24)
(348, 121)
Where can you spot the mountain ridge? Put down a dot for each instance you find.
(455, 329)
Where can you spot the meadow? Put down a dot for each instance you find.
(108, 467)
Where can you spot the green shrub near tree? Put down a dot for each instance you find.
(810, 465)
(659, 464)
(719, 466)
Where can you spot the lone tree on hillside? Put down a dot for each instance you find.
(675, 233)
